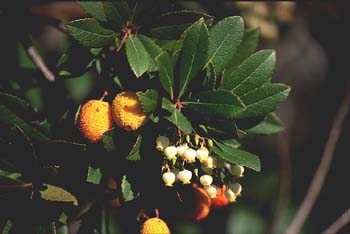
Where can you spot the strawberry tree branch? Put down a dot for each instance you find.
(339, 223)
(39, 62)
(322, 170)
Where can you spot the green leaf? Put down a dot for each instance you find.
(95, 9)
(149, 100)
(9, 118)
(176, 117)
(54, 193)
(193, 53)
(251, 74)
(117, 13)
(10, 178)
(128, 194)
(95, 51)
(137, 55)
(118, 82)
(89, 33)
(76, 116)
(246, 48)
(210, 78)
(225, 38)
(168, 105)
(264, 100)
(237, 156)
(166, 72)
(7, 227)
(43, 126)
(152, 48)
(63, 218)
(271, 125)
(16, 104)
(231, 143)
(220, 103)
(134, 154)
(108, 140)
(94, 175)
(172, 24)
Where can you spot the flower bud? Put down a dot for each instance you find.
(206, 180)
(169, 178)
(185, 176)
(181, 149)
(236, 188)
(196, 139)
(188, 138)
(237, 170)
(211, 190)
(202, 154)
(170, 152)
(230, 195)
(210, 142)
(190, 155)
(162, 142)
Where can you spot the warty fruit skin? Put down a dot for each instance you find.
(154, 225)
(127, 111)
(95, 118)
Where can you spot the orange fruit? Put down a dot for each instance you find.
(127, 111)
(95, 118)
(153, 226)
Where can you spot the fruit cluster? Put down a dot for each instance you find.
(96, 116)
(194, 162)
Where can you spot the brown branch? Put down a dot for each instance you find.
(39, 62)
(321, 172)
(339, 223)
(285, 173)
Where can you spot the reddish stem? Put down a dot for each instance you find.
(104, 95)
(178, 104)
(127, 33)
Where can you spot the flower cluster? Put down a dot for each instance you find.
(189, 162)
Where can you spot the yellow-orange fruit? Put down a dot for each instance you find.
(95, 118)
(154, 225)
(202, 203)
(220, 200)
(127, 111)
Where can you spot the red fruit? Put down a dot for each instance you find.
(220, 200)
(202, 203)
